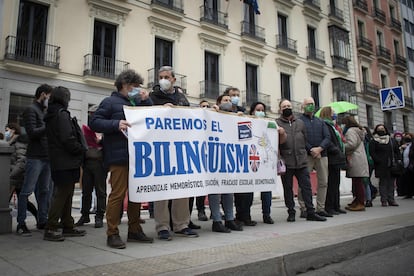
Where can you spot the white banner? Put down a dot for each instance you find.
(177, 152)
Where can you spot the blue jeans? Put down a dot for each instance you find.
(37, 177)
(226, 201)
(266, 198)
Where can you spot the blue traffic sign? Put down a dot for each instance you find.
(392, 98)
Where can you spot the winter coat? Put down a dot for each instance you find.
(36, 130)
(106, 120)
(18, 160)
(66, 151)
(382, 155)
(355, 152)
(317, 134)
(293, 151)
(159, 97)
(336, 157)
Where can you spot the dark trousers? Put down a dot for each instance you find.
(332, 194)
(243, 202)
(358, 189)
(94, 176)
(302, 175)
(386, 188)
(199, 204)
(266, 198)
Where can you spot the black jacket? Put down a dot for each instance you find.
(66, 151)
(382, 155)
(159, 97)
(36, 130)
(336, 157)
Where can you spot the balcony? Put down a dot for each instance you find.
(400, 63)
(286, 44)
(312, 9)
(361, 5)
(340, 63)
(211, 90)
(383, 55)
(395, 25)
(336, 15)
(316, 55)
(364, 46)
(370, 89)
(408, 102)
(102, 67)
(213, 19)
(181, 80)
(250, 97)
(379, 16)
(171, 8)
(252, 33)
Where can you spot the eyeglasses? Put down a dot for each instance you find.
(205, 106)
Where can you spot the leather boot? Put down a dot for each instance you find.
(357, 207)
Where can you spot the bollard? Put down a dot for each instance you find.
(5, 211)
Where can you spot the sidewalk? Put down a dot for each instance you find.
(280, 249)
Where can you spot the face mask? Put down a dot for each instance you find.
(398, 139)
(381, 132)
(310, 108)
(165, 85)
(235, 100)
(407, 140)
(260, 114)
(334, 117)
(135, 91)
(287, 112)
(7, 135)
(226, 106)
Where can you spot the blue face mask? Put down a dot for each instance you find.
(235, 100)
(260, 114)
(134, 92)
(334, 117)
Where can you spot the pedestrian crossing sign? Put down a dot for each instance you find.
(392, 98)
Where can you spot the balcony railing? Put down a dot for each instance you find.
(361, 5)
(250, 97)
(315, 54)
(365, 44)
(395, 24)
(175, 5)
(283, 42)
(211, 90)
(103, 67)
(313, 4)
(213, 17)
(33, 52)
(400, 62)
(383, 53)
(181, 80)
(379, 15)
(252, 30)
(336, 13)
(408, 102)
(340, 63)
(370, 89)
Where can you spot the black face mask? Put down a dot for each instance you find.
(381, 132)
(287, 112)
(407, 140)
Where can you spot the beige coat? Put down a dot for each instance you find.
(355, 152)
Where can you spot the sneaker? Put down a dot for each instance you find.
(193, 226)
(324, 214)
(68, 232)
(232, 225)
(98, 222)
(139, 237)
(115, 241)
(83, 220)
(164, 235)
(219, 227)
(268, 220)
(23, 231)
(187, 232)
(368, 203)
(202, 217)
(315, 217)
(291, 217)
(52, 235)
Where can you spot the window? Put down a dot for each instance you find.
(339, 42)
(211, 10)
(380, 40)
(406, 25)
(405, 123)
(311, 38)
(18, 104)
(384, 81)
(251, 83)
(163, 55)
(412, 83)
(285, 86)
(412, 28)
(370, 116)
(392, 12)
(282, 24)
(211, 75)
(31, 32)
(104, 43)
(410, 53)
(364, 75)
(249, 19)
(361, 28)
(315, 93)
(396, 47)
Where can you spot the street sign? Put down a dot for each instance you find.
(392, 98)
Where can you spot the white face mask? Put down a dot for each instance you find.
(260, 114)
(226, 106)
(165, 85)
(235, 100)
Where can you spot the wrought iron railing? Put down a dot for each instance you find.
(175, 5)
(340, 63)
(283, 42)
(370, 89)
(361, 5)
(249, 97)
(400, 61)
(103, 67)
(379, 15)
(312, 3)
(180, 80)
(315, 54)
(30, 51)
(337, 13)
(383, 52)
(395, 24)
(252, 30)
(211, 90)
(213, 16)
(364, 43)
